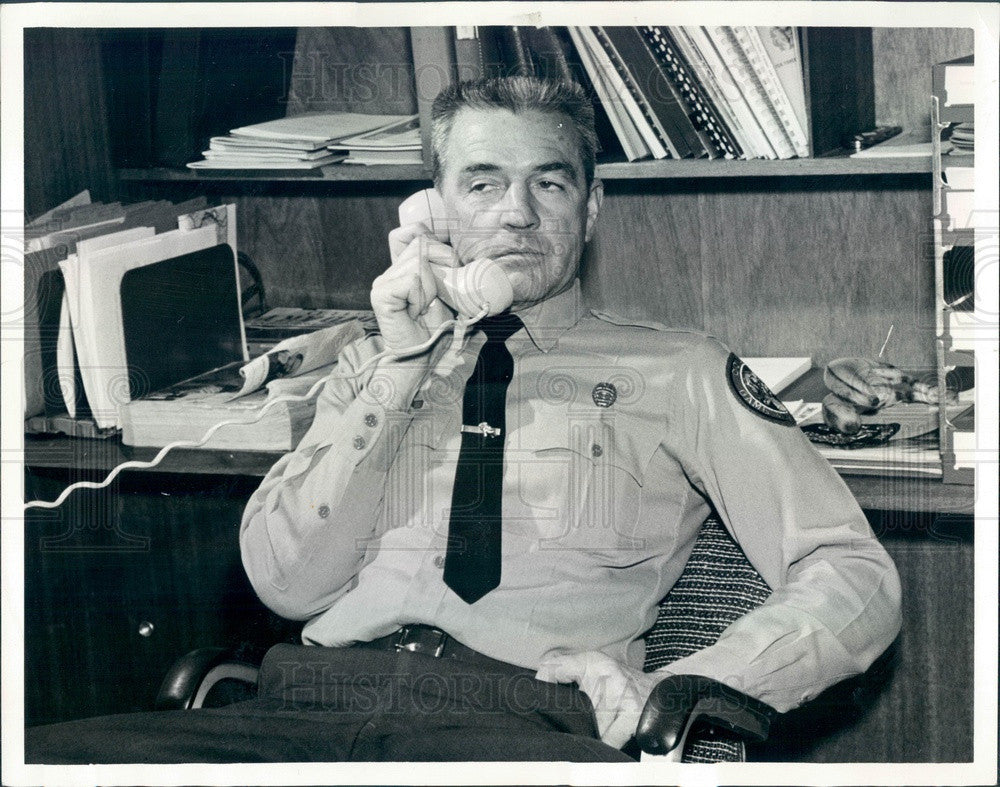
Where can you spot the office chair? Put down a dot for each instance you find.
(687, 718)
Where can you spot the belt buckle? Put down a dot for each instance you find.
(416, 646)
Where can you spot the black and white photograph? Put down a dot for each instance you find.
(500, 393)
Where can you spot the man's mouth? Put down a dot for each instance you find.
(506, 250)
(513, 254)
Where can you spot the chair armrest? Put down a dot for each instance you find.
(193, 674)
(679, 701)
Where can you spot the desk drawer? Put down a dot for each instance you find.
(118, 585)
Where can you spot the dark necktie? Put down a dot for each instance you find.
(472, 565)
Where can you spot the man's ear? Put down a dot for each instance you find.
(594, 200)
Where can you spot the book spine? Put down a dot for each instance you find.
(660, 142)
(781, 43)
(712, 93)
(757, 142)
(710, 126)
(748, 39)
(620, 100)
(469, 59)
(753, 92)
(626, 132)
(523, 61)
(655, 91)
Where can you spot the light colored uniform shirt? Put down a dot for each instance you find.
(601, 507)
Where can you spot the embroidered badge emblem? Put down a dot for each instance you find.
(754, 394)
(604, 394)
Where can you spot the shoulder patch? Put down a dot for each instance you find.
(754, 394)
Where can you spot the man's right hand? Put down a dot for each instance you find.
(407, 309)
(404, 296)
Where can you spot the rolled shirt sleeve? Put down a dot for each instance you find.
(835, 604)
(303, 530)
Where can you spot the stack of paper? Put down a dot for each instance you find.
(75, 332)
(65, 226)
(93, 279)
(913, 457)
(237, 393)
(187, 410)
(777, 373)
(296, 142)
(49, 239)
(397, 143)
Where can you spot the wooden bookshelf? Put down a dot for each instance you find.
(343, 173)
(759, 168)
(635, 170)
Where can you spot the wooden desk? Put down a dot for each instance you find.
(161, 547)
(872, 492)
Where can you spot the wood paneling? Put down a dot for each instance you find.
(65, 122)
(353, 69)
(820, 269)
(646, 258)
(924, 713)
(109, 560)
(805, 266)
(903, 60)
(811, 266)
(320, 251)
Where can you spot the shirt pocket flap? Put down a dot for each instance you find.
(604, 439)
(431, 426)
(626, 442)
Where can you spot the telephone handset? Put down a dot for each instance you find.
(480, 286)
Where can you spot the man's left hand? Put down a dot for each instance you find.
(617, 692)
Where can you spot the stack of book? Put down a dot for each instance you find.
(398, 143)
(716, 92)
(696, 92)
(299, 142)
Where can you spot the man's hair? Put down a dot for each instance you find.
(516, 94)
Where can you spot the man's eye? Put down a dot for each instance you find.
(550, 185)
(481, 187)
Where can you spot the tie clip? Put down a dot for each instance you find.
(483, 429)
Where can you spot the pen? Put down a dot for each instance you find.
(886, 342)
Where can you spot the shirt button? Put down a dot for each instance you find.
(596, 450)
(324, 512)
(371, 420)
(359, 442)
(439, 561)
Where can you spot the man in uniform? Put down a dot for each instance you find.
(478, 534)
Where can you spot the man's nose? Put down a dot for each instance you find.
(517, 208)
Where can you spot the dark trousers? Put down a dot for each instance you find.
(351, 704)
